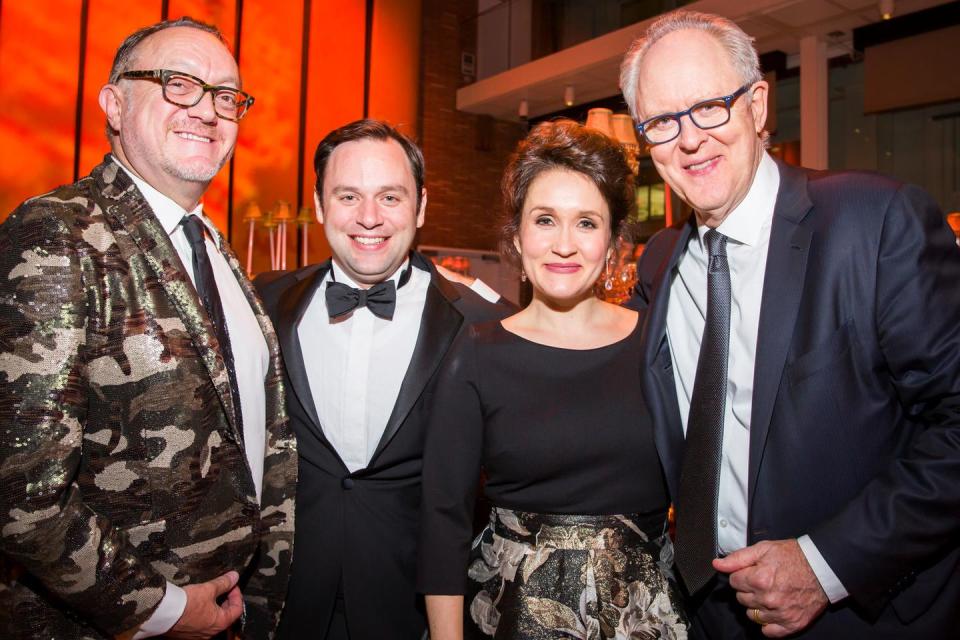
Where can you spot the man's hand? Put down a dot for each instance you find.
(203, 617)
(776, 584)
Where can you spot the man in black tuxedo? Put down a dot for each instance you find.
(802, 363)
(362, 336)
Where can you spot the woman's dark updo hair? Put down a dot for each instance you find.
(564, 144)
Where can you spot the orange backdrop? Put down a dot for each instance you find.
(41, 60)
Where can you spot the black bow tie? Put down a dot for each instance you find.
(381, 298)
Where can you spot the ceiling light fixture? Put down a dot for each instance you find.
(524, 109)
(569, 96)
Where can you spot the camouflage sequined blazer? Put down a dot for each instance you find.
(120, 465)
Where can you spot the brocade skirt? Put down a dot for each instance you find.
(537, 577)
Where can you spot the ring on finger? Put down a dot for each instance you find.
(755, 614)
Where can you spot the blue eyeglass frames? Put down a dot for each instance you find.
(708, 114)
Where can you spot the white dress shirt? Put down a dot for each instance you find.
(251, 361)
(483, 290)
(747, 229)
(364, 360)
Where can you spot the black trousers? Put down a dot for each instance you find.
(338, 621)
(715, 614)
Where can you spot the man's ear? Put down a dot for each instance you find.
(758, 104)
(319, 207)
(421, 215)
(111, 102)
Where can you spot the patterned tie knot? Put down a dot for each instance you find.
(717, 249)
(716, 243)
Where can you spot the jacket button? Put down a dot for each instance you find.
(347, 483)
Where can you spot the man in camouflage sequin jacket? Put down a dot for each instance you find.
(121, 468)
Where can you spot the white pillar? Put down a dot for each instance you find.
(814, 116)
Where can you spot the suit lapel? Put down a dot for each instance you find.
(292, 305)
(131, 212)
(439, 326)
(657, 366)
(782, 291)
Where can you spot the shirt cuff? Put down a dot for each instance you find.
(480, 288)
(165, 615)
(828, 579)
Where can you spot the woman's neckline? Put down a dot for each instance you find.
(636, 327)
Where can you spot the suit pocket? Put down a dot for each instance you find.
(823, 356)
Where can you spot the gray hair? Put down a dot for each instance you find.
(127, 48)
(731, 37)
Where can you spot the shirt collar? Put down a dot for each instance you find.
(341, 276)
(748, 220)
(168, 212)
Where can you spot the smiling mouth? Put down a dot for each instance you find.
(700, 166)
(369, 241)
(186, 135)
(562, 267)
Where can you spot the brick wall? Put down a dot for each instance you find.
(465, 154)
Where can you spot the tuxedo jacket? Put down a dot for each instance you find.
(121, 465)
(855, 425)
(357, 531)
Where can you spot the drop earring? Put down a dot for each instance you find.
(523, 275)
(608, 279)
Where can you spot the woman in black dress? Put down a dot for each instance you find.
(547, 403)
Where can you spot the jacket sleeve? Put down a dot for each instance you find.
(46, 312)
(912, 509)
(648, 266)
(451, 473)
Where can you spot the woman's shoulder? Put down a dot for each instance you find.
(622, 322)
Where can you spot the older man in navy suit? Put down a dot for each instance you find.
(802, 362)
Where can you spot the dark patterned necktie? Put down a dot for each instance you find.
(696, 508)
(210, 297)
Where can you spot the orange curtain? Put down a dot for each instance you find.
(395, 63)
(40, 59)
(110, 21)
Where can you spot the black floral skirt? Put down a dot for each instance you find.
(535, 576)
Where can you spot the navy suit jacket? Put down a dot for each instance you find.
(855, 426)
